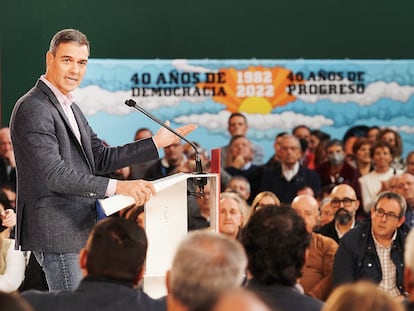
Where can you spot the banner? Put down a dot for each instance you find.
(275, 96)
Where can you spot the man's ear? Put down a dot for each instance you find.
(83, 259)
(140, 275)
(49, 57)
(167, 282)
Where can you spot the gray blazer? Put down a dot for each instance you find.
(57, 182)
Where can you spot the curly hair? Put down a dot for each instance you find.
(275, 240)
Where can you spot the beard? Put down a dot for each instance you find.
(342, 216)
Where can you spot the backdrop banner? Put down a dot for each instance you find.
(275, 96)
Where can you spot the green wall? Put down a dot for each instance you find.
(200, 29)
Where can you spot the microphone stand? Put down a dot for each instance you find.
(200, 181)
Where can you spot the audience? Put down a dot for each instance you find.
(394, 139)
(138, 170)
(276, 242)
(335, 170)
(264, 198)
(239, 162)
(410, 163)
(374, 250)
(12, 262)
(326, 212)
(237, 126)
(233, 214)
(240, 185)
(290, 176)
(169, 164)
(112, 263)
(205, 266)
(375, 182)
(344, 204)
(361, 296)
(199, 215)
(7, 160)
(316, 277)
(274, 160)
(405, 187)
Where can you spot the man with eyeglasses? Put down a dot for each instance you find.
(344, 205)
(374, 250)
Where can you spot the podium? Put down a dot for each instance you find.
(166, 224)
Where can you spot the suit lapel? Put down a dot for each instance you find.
(85, 149)
(86, 146)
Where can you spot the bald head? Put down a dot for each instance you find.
(342, 191)
(308, 208)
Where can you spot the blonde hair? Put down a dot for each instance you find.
(260, 196)
(361, 296)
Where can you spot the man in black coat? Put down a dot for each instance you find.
(113, 263)
(276, 241)
(375, 250)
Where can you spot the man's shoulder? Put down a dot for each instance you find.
(88, 296)
(285, 297)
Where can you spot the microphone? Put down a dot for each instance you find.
(200, 181)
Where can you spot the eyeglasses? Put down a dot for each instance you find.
(390, 215)
(346, 201)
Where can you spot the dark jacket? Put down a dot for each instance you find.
(357, 258)
(95, 293)
(330, 231)
(274, 181)
(283, 298)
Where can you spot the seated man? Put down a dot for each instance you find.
(374, 250)
(317, 273)
(287, 179)
(112, 263)
(344, 204)
(206, 265)
(276, 241)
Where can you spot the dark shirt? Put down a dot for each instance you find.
(283, 298)
(95, 293)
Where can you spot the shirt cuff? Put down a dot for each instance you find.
(111, 189)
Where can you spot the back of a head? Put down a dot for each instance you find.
(205, 265)
(116, 249)
(361, 296)
(275, 240)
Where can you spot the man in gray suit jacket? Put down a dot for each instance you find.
(112, 262)
(59, 158)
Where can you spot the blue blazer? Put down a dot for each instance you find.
(57, 177)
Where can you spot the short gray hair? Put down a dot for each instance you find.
(390, 195)
(205, 265)
(68, 35)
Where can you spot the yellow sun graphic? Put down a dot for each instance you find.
(255, 105)
(256, 89)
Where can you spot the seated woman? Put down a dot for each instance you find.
(12, 262)
(264, 198)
